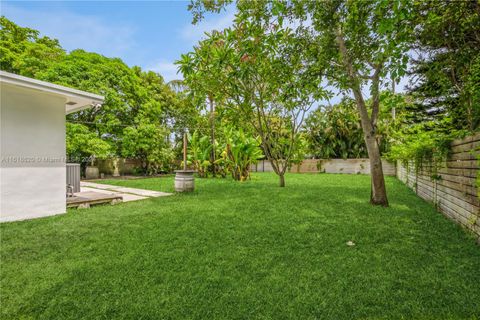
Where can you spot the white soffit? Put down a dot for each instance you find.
(75, 99)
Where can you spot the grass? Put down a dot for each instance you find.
(244, 251)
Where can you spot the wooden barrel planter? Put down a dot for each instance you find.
(184, 180)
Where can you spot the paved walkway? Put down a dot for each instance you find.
(128, 194)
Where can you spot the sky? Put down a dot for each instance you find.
(149, 34)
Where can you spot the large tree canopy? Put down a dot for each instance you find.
(24, 52)
(136, 102)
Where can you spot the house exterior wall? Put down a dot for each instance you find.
(32, 152)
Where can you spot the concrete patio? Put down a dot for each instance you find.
(128, 194)
(97, 193)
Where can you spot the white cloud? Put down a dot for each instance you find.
(194, 33)
(168, 70)
(75, 30)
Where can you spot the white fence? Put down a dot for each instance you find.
(348, 166)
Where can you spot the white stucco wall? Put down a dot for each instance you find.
(32, 152)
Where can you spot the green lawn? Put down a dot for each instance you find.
(244, 251)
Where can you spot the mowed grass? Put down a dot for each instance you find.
(244, 251)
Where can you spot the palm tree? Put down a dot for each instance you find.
(177, 85)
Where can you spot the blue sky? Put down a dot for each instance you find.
(150, 34)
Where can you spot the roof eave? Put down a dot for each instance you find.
(81, 99)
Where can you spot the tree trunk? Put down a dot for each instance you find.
(278, 171)
(282, 179)
(378, 195)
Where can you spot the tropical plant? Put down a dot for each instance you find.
(239, 153)
(335, 132)
(199, 149)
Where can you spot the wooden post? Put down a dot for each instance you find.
(184, 151)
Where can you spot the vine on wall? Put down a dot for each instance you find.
(428, 150)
